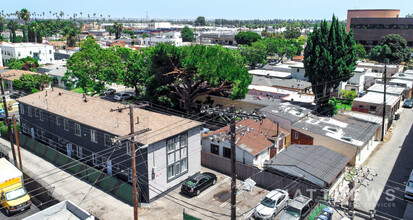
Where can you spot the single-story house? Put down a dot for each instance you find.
(256, 141)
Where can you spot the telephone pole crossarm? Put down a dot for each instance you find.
(119, 139)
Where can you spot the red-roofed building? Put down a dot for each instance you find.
(257, 141)
(298, 58)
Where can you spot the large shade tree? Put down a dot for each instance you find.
(399, 51)
(92, 66)
(187, 34)
(247, 37)
(188, 72)
(329, 58)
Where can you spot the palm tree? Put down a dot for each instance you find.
(61, 14)
(50, 13)
(43, 15)
(118, 29)
(70, 33)
(24, 15)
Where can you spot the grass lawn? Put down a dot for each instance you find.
(340, 106)
(81, 90)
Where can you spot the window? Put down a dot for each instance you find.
(226, 152)
(95, 159)
(177, 155)
(30, 53)
(128, 148)
(41, 115)
(298, 70)
(66, 124)
(295, 135)
(29, 111)
(361, 106)
(50, 59)
(129, 174)
(93, 137)
(77, 129)
(19, 54)
(372, 108)
(36, 112)
(50, 52)
(215, 149)
(108, 142)
(57, 120)
(79, 151)
(43, 136)
(22, 109)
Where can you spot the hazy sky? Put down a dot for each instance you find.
(190, 9)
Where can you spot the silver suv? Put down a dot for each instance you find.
(297, 209)
(408, 192)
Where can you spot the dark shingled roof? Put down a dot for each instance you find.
(319, 161)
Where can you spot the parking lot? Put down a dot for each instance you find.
(213, 203)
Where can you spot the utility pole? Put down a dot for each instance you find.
(233, 133)
(233, 164)
(8, 121)
(17, 142)
(131, 136)
(384, 104)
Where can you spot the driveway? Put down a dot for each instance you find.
(213, 203)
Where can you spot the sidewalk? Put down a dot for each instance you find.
(67, 187)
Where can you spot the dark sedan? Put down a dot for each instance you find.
(408, 103)
(198, 182)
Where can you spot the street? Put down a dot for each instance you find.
(392, 163)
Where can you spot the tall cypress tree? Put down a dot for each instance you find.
(329, 58)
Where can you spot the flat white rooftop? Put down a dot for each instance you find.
(391, 89)
(270, 73)
(377, 98)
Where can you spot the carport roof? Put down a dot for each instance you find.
(316, 160)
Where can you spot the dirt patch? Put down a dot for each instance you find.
(223, 196)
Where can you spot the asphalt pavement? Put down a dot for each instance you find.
(392, 162)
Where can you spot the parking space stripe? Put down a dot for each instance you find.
(248, 215)
(212, 188)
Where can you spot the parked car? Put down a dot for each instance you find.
(297, 209)
(408, 192)
(271, 205)
(108, 92)
(122, 96)
(2, 114)
(198, 182)
(408, 103)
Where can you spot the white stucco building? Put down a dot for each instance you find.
(43, 53)
(170, 37)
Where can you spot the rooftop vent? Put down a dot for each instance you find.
(332, 129)
(346, 138)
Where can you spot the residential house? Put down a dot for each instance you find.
(42, 52)
(314, 163)
(10, 75)
(379, 68)
(356, 83)
(407, 84)
(84, 128)
(282, 83)
(298, 71)
(170, 37)
(222, 38)
(56, 71)
(392, 88)
(354, 135)
(372, 103)
(257, 141)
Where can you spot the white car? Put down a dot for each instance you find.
(408, 192)
(271, 205)
(122, 96)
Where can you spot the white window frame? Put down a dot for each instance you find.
(295, 135)
(107, 143)
(43, 134)
(29, 111)
(130, 177)
(22, 109)
(66, 124)
(36, 112)
(128, 148)
(57, 120)
(78, 129)
(41, 115)
(177, 151)
(95, 160)
(93, 136)
(79, 151)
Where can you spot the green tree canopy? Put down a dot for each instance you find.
(247, 38)
(396, 51)
(292, 31)
(254, 54)
(31, 83)
(27, 63)
(361, 51)
(187, 35)
(200, 21)
(329, 58)
(70, 33)
(188, 72)
(118, 29)
(12, 26)
(92, 66)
